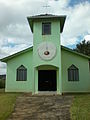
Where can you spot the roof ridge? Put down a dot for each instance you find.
(30, 48)
(70, 50)
(15, 54)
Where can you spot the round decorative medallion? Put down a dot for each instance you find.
(46, 53)
(47, 50)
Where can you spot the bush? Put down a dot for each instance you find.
(2, 83)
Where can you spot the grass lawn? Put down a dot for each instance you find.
(80, 109)
(7, 101)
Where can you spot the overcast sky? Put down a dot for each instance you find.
(16, 35)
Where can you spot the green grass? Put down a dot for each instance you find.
(80, 109)
(7, 102)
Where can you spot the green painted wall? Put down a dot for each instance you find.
(39, 38)
(19, 86)
(83, 85)
(67, 59)
(60, 63)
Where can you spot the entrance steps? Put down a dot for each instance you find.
(46, 93)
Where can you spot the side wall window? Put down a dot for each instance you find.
(73, 73)
(46, 28)
(21, 73)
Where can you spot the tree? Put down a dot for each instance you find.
(83, 47)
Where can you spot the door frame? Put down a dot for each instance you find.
(35, 80)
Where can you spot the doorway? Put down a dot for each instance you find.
(47, 80)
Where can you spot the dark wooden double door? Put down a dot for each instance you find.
(47, 80)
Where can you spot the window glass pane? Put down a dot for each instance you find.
(73, 73)
(77, 75)
(46, 28)
(25, 74)
(68, 75)
(21, 74)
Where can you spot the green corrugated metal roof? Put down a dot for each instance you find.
(5, 59)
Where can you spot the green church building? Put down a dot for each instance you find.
(47, 66)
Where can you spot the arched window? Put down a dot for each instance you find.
(21, 73)
(73, 73)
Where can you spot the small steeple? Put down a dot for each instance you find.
(46, 16)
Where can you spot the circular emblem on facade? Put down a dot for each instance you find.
(46, 53)
(47, 50)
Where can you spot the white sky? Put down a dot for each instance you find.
(16, 35)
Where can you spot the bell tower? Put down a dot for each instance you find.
(46, 29)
